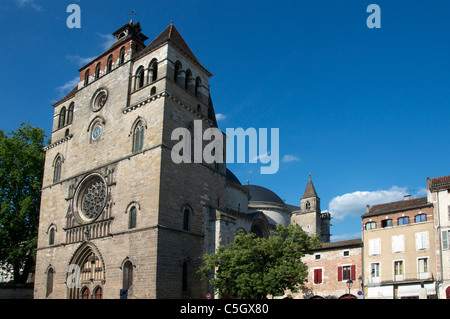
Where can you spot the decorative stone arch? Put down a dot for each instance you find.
(58, 156)
(152, 74)
(187, 213)
(50, 279)
(91, 270)
(447, 292)
(136, 122)
(94, 121)
(260, 226)
(132, 220)
(51, 230)
(139, 78)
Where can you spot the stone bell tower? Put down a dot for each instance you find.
(309, 217)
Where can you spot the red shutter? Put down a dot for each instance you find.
(319, 276)
(352, 268)
(315, 276)
(339, 273)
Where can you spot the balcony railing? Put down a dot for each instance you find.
(405, 278)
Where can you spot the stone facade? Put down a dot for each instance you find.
(118, 217)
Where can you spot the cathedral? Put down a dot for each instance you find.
(120, 219)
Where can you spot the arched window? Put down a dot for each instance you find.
(97, 71)
(85, 293)
(57, 169)
(198, 82)
(86, 77)
(70, 113)
(153, 68)
(153, 90)
(138, 137)
(51, 236)
(139, 82)
(127, 275)
(62, 118)
(133, 215)
(50, 275)
(98, 292)
(122, 56)
(109, 63)
(188, 79)
(178, 67)
(186, 218)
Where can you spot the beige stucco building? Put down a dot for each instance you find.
(438, 193)
(399, 255)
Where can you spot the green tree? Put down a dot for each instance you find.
(252, 267)
(21, 172)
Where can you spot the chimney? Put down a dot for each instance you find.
(407, 197)
(367, 208)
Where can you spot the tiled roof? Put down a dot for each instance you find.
(438, 182)
(397, 206)
(170, 34)
(310, 191)
(341, 244)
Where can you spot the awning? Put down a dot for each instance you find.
(380, 292)
(415, 290)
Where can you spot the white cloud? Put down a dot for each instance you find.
(345, 236)
(354, 204)
(68, 86)
(31, 3)
(220, 117)
(80, 61)
(105, 44)
(290, 158)
(108, 40)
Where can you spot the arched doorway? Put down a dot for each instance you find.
(447, 292)
(347, 296)
(317, 297)
(86, 273)
(85, 293)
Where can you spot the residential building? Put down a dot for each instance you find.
(438, 193)
(399, 254)
(335, 271)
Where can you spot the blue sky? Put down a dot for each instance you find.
(365, 111)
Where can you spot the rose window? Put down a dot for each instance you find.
(90, 198)
(93, 200)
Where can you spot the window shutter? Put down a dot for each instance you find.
(371, 247)
(445, 240)
(339, 273)
(418, 241)
(353, 272)
(319, 273)
(425, 240)
(315, 276)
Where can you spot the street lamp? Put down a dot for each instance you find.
(349, 285)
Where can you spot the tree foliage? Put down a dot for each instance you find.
(21, 172)
(253, 268)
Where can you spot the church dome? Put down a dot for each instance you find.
(262, 194)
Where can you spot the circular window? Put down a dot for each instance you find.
(99, 99)
(96, 132)
(90, 198)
